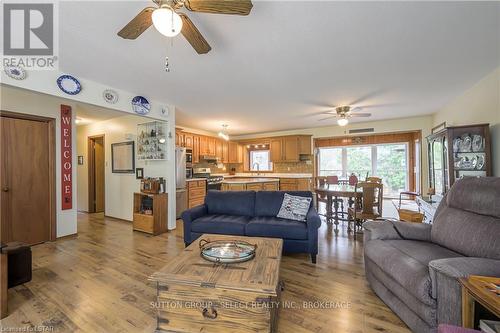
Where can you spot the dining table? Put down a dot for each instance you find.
(337, 191)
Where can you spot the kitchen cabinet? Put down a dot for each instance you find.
(204, 146)
(305, 145)
(197, 190)
(188, 140)
(235, 152)
(271, 186)
(225, 152)
(211, 146)
(179, 138)
(291, 149)
(295, 184)
(234, 187)
(219, 150)
(276, 148)
(196, 149)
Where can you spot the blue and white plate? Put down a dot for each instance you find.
(69, 84)
(141, 105)
(15, 72)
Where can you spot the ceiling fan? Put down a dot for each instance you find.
(169, 22)
(343, 113)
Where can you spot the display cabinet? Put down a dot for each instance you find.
(455, 152)
(152, 141)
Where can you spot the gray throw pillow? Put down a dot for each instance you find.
(294, 207)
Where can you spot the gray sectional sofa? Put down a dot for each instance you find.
(414, 268)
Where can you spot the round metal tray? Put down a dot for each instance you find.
(227, 252)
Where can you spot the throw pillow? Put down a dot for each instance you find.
(294, 207)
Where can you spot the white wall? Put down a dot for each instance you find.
(23, 101)
(44, 82)
(119, 188)
(423, 123)
(479, 104)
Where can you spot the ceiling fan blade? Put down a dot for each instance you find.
(360, 115)
(193, 35)
(322, 119)
(138, 25)
(235, 7)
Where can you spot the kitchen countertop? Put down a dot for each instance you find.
(250, 180)
(266, 175)
(194, 179)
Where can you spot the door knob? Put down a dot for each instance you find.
(5, 189)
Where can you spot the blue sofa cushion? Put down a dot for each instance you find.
(220, 224)
(231, 203)
(275, 227)
(268, 203)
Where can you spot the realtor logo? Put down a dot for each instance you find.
(29, 35)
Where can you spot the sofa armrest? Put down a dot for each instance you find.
(413, 231)
(312, 219)
(189, 216)
(379, 230)
(444, 274)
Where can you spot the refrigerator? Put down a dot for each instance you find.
(180, 181)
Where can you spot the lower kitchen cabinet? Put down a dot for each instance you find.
(295, 184)
(197, 190)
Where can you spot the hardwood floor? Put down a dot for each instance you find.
(97, 282)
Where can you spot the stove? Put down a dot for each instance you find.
(213, 182)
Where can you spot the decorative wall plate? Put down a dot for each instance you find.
(457, 144)
(141, 105)
(110, 96)
(480, 162)
(466, 145)
(69, 84)
(15, 72)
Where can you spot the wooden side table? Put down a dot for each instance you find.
(478, 289)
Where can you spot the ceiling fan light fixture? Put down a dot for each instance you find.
(342, 121)
(167, 21)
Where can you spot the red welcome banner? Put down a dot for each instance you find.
(66, 158)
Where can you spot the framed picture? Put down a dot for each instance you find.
(123, 157)
(80, 160)
(139, 173)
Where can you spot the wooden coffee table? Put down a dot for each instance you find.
(478, 289)
(195, 295)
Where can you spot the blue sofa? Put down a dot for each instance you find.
(253, 214)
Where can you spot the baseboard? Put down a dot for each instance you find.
(117, 218)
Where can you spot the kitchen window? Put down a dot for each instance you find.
(260, 160)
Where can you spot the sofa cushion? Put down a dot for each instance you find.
(220, 224)
(231, 203)
(294, 207)
(268, 203)
(468, 218)
(406, 262)
(264, 226)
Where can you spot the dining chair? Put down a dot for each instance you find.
(374, 180)
(369, 207)
(353, 179)
(334, 180)
(319, 182)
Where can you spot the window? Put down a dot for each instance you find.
(260, 160)
(387, 161)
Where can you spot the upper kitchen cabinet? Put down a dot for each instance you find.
(211, 146)
(225, 152)
(179, 138)
(290, 148)
(219, 151)
(188, 140)
(204, 146)
(196, 149)
(235, 152)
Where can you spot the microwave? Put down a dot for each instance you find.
(189, 156)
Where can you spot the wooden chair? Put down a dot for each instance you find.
(353, 180)
(370, 205)
(328, 180)
(374, 180)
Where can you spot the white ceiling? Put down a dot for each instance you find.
(286, 61)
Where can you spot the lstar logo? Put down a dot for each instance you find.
(29, 35)
(29, 29)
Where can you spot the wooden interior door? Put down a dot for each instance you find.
(26, 200)
(96, 174)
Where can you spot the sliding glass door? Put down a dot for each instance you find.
(387, 161)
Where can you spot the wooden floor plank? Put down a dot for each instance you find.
(97, 282)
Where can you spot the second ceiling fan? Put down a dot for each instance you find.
(169, 22)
